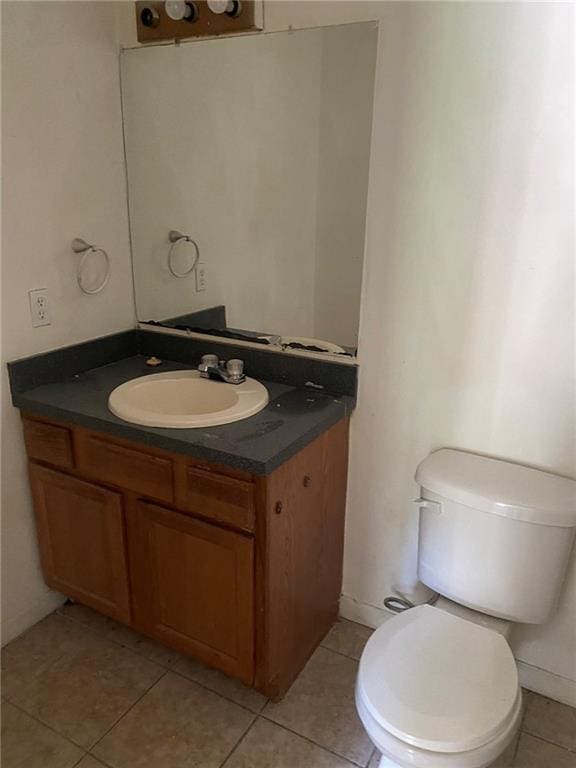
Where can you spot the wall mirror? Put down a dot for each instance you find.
(247, 164)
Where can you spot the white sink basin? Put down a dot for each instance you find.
(182, 399)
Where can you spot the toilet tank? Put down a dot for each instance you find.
(494, 536)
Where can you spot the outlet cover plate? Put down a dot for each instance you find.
(39, 310)
(201, 278)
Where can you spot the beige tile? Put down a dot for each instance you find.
(177, 724)
(74, 681)
(143, 645)
(30, 655)
(119, 633)
(320, 706)
(226, 686)
(550, 720)
(26, 743)
(506, 759)
(348, 638)
(86, 616)
(269, 746)
(90, 762)
(536, 753)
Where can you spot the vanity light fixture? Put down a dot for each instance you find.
(176, 20)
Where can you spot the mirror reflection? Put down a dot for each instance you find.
(247, 167)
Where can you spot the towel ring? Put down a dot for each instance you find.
(81, 246)
(176, 237)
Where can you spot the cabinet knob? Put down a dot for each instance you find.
(278, 508)
(307, 482)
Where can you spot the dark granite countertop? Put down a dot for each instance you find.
(292, 419)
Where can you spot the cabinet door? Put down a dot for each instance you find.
(192, 587)
(81, 537)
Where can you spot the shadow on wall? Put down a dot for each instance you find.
(467, 332)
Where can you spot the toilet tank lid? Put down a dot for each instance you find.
(500, 487)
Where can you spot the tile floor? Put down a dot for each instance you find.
(81, 691)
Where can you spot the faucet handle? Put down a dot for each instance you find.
(235, 368)
(209, 360)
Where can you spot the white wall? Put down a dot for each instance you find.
(63, 176)
(467, 323)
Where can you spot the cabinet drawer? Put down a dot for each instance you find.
(49, 443)
(218, 497)
(129, 468)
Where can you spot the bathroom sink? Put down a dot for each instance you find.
(183, 399)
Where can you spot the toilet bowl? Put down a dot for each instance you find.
(437, 686)
(438, 691)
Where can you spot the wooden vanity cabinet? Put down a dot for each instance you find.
(241, 572)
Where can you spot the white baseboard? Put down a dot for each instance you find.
(363, 613)
(547, 683)
(541, 681)
(16, 625)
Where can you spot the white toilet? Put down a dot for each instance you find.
(437, 685)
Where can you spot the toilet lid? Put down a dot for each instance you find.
(437, 681)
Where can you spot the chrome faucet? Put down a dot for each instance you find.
(232, 372)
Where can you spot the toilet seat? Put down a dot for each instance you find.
(438, 682)
(403, 755)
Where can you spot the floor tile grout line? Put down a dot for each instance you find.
(94, 632)
(548, 741)
(98, 759)
(167, 668)
(240, 740)
(254, 715)
(101, 633)
(173, 668)
(76, 764)
(46, 725)
(515, 751)
(340, 653)
(316, 744)
(123, 715)
(217, 693)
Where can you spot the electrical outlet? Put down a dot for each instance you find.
(39, 311)
(201, 279)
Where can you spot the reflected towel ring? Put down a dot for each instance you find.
(81, 246)
(176, 237)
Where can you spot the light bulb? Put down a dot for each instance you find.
(220, 6)
(177, 9)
